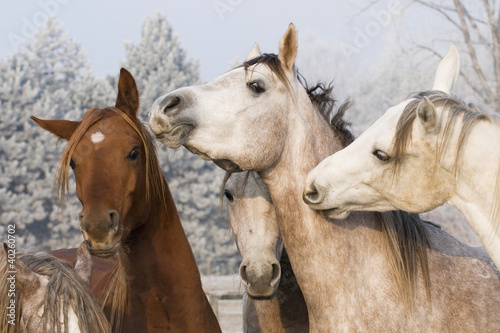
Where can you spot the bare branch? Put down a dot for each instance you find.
(471, 50)
(474, 26)
(439, 10)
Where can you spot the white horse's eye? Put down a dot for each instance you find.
(257, 87)
(381, 155)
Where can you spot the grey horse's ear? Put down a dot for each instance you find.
(83, 264)
(27, 281)
(288, 47)
(427, 114)
(254, 52)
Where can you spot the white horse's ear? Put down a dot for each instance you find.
(288, 47)
(83, 264)
(254, 52)
(427, 114)
(447, 71)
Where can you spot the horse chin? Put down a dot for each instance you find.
(266, 296)
(105, 253)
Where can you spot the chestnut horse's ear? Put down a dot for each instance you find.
(288, 47)
(61, 128)
(83, 264)
(128, 95)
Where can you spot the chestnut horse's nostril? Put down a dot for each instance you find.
(80, 222)
(171, 103)
(114, 221)
(311, 195)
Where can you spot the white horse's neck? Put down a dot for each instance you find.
(478, 169)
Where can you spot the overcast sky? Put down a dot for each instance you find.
(213, 31)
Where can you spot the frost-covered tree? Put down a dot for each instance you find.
(49, 78)
(158, 62)
(160, 65)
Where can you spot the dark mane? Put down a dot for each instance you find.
(322, 98)
(406, 247)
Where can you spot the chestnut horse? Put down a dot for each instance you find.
(373, 272)
(48, 295)
(128, 211)
(273, 300)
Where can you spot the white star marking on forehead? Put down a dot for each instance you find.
(97, 137)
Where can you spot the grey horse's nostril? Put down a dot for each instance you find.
(276, 273)
(243, 275)
(311, 195)
(171, 103)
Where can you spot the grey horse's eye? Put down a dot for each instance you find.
(228, 195)
(257, 87)
(381, 155)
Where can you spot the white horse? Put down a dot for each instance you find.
(49, 295)
(424, 152)
(275, 303)
(378, 272)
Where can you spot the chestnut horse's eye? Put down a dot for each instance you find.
(133, 154)
(72, 164)
(228, 195)
(257, 87)
(381, 155)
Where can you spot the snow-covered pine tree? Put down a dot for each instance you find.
(50, 78)
(160, 65)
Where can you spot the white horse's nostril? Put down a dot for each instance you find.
(171, 103)
(311, 195)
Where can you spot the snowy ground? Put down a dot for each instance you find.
(225, 295)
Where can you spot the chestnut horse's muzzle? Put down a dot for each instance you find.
(101, 230)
